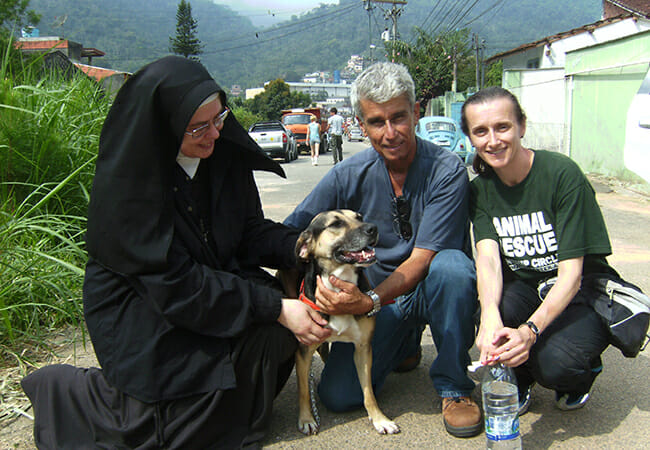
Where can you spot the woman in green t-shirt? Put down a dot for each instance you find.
(538, 230)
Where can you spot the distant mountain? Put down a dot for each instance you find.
(133, 33)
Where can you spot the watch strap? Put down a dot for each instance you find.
(376, 302)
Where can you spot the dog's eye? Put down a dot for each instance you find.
(359, 217)
(337, 223)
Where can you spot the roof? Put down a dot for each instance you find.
(91, 51)
(41, 43)
(637, 7)
(97, 73)
(559, 36)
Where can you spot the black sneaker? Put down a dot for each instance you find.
(568, 401)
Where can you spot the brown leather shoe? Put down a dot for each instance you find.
(410, 363)
(462, 416)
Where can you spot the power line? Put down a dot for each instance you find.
(317, 20)
(461, 15)
(441, 21)
(494, 8)
(274, 38)
(424, 23)
(292, 24)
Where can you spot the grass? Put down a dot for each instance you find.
(49, 134)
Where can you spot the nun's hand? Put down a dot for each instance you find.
(306, 323)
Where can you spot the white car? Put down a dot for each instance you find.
(637, 132)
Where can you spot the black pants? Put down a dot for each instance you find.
(336, 145)
(565, 353)
(76, 408)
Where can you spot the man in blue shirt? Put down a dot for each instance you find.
(417, 194)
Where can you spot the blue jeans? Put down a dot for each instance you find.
(446, 300)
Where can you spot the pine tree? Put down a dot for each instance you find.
(185, 42)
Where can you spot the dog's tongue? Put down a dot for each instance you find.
(361, 256)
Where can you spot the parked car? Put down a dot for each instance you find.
(354, 133)
(446, 133)
(275, 139)
(637, 132)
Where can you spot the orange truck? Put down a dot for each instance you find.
(298, 119)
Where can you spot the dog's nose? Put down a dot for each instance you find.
(370, 229)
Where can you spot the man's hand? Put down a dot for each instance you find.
(306, 323)
(350, 300)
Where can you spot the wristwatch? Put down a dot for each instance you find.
(376, 302)
(530, 324)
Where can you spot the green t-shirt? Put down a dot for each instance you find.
(551, 216)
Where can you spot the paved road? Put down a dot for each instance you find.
(617, 416)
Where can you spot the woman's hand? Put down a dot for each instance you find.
(512, 345)
(490, 324)
(306, 323)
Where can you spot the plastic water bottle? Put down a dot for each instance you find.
(500, 407)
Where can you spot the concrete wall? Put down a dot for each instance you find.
(602, 82)
(541, 94)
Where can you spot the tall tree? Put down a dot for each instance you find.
(14, 15)
(185, 42)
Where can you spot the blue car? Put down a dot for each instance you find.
(446, 133)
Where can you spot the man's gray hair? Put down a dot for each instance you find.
(381, 82)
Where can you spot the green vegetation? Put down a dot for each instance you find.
(432, 62)
(276, 97)
(133, 33)
(14, 15)
(185, 42)
(49, 134)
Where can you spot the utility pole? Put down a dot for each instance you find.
(478, 47)
(368, 7)
(393, 14)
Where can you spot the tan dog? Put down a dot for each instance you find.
(339, 243)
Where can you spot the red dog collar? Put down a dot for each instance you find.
(303, 298)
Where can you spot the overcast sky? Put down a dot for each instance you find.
(266, 12)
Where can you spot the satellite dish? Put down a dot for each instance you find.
(59, 21)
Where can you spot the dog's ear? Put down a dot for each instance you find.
(302, 245)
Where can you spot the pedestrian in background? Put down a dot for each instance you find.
(313, 137)
(335, 132)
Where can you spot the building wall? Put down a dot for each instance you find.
(541, 94)
(602, 81)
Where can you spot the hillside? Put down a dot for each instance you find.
(133, 33)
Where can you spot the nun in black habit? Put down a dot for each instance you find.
(194, 339)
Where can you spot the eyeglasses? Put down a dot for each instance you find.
(217, 122)
(401, 214)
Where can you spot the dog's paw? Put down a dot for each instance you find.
(385, 426)
(308, 427)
